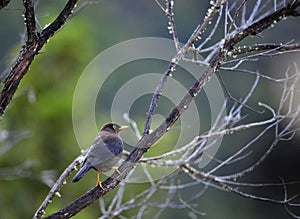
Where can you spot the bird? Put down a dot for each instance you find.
(104, 153)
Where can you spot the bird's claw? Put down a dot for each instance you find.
(99, 184)
(117, 170)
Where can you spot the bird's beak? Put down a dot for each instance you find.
(123, 127)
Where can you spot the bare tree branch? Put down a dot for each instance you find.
(191, 153)
(29, 19)
(30, 49)
(171, 23)
(4, 3)
(148, 139)
(57, 186)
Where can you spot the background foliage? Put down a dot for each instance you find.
(37, 134)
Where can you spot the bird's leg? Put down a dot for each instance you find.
(98, 180)
(116, 170)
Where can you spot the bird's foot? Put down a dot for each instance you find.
(117, 170)
(99, 184)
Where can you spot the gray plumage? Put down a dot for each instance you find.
(105, 152)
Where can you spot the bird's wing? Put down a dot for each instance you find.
(102, 151)
(115, 147)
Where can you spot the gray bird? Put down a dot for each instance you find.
(104, 153)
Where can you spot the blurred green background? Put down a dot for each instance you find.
(36, 132)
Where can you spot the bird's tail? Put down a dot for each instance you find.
(83, 170)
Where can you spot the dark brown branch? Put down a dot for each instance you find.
(30, 21)
(266, 22)
(31, 48)
(12, 81)
(265, 47)
(59, 21)
(236, 14)
(4, 3)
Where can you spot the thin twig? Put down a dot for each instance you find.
(57, 186)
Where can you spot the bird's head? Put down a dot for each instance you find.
(113, 127)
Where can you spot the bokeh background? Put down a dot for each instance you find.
(36, 133)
